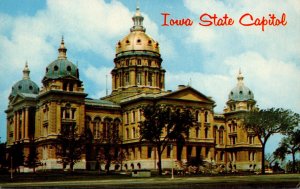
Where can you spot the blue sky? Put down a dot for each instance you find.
(206, 57)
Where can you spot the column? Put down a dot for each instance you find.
(23, 124)
(26, 123)
(18, 125)
(15, 126)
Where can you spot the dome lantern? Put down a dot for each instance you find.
(138, 21)
(26, 71)
(62, 51)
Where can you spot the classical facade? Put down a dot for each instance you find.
(138, 79)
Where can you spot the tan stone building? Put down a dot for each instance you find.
(138, 79)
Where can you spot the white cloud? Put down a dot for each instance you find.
(100, 81)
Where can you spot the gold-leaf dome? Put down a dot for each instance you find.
(137, 39)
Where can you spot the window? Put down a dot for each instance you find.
(127, 133)
(149, 62)
(197, 116)
(127, 79)
(206, 117)
(133, 116)
(206, 132)
(139, 78)
(139, 62)
(71, 87)
(197, 132)
(222, 156)
(133, 132)
(127, 118)
(149, 152)
(221, 133)
(150, 79)
(215, 132)
(168, 151)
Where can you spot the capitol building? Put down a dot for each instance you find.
(37, 114)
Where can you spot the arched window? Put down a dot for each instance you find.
(206, 132)
(206, 117)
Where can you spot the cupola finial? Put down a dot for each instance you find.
(240, 78)
(137, 20)
(62, 50)
(26, 71)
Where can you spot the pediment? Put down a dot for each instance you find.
(189, 94)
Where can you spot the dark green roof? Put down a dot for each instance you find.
(61, 68)
(25, 86)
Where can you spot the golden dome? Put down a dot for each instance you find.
(137, 39)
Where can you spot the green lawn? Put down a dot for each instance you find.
(124, 181)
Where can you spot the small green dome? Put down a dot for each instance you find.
(26, 85)
(241, 92)
(61, 67)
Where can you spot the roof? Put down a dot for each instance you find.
(98, 102)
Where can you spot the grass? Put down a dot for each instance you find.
(81, 179)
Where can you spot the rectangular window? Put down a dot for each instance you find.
(149, 153)
(133, 116)
(168, 151)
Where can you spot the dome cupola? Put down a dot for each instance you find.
(61, 67)
(26, 85)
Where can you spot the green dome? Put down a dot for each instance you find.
(26, 85)
(61, 67)
(241, 92)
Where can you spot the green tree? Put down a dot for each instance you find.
(108, 145)
(32, 160)
(266, 122)
(17, 155)
(289, 145)
(3, 162)
(70, 145)
(162, 125)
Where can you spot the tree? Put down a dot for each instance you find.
(162, 125)
(108, 145)
(70, 145)
(266, 122)
(17, 155)
(32, 160)
(289, 145)
(3, 162)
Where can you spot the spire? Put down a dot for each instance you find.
(240, 78)
(62, 50)
(26, 71)
(137, 20)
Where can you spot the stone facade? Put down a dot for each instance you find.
(138, 79)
